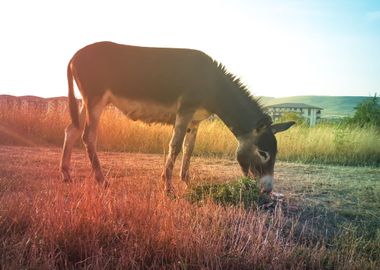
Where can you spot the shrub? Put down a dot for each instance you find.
(292, 116)
(367, 113)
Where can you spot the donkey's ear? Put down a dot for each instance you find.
(281, 126)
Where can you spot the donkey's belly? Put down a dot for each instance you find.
(151, 112)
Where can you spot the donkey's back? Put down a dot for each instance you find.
(141, 73)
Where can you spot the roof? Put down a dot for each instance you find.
(293, 105)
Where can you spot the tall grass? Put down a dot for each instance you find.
(121, 134)
(340, 145)
(343, 145)
(31, 127)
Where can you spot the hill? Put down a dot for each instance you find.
(333, 106)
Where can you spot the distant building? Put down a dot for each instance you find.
(312, 114)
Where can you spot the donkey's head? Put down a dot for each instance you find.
(257, 151)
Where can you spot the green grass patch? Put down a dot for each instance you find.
(244, 191)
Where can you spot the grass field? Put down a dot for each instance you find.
(328, 218)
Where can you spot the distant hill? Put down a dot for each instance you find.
(333, 106)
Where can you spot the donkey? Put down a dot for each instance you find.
(181, 87)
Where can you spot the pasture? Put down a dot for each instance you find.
(328, 218)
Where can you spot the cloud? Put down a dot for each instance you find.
(373, 15)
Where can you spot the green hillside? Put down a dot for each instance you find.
(333, 106)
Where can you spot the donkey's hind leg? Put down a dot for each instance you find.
(187, 150)
(72, 134)
(94, 111)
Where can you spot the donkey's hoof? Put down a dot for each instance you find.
(67, 180)
(106, 184)
(186, 179)
(171, 194)
(102, 182)
(66, 177)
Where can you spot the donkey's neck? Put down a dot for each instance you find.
(236, 107)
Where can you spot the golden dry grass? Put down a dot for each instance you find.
(118, 133)
(47, 224)
(331, 144)
(343, 145)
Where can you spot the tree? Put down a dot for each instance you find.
(367, 113)
(292, 116)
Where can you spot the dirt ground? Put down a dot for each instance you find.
(39, 163)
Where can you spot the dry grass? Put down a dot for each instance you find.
(122, 134)
(322, 144)
(331, 144)
(46, 224)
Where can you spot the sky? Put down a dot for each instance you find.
(277, 47)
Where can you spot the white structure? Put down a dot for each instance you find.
(311, 114)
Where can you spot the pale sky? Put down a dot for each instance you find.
(277, 47)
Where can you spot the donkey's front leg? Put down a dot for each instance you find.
(188, 147)
(181, 122)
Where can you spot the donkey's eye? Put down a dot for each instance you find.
(264, 156)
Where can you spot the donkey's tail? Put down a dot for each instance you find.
(73, 106)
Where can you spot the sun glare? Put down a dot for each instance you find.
(279, 49)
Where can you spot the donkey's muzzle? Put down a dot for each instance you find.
(266, 183)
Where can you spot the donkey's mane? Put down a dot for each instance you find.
(242, 89)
